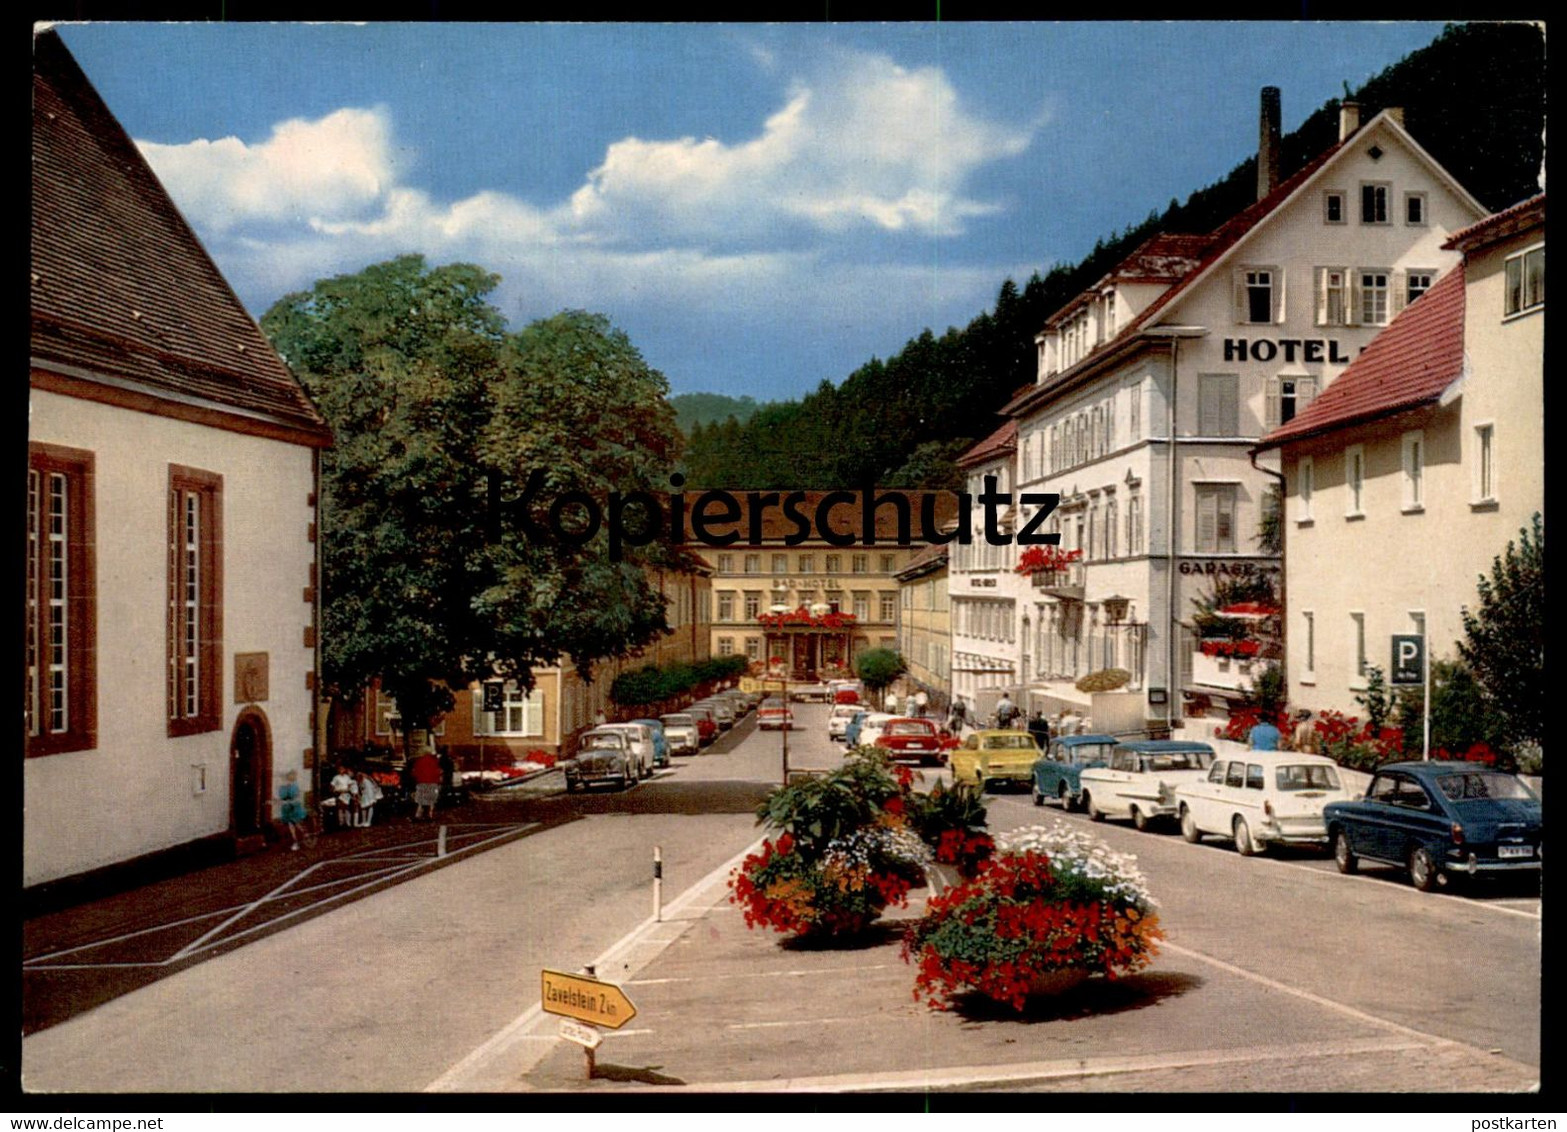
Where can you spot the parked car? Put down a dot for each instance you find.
(681, 731)
(988, 757)
(723, 711)
(774, 715)
(737, 700)
(1260, 799)
(1141, 778)
(706, 723)
(810, 691)
(1438, 819)
(838, 721)
(1057, 773)
(845, 691)
(660, 740)
(909, 738)
(642, 745)
(871, 727)
(602, 756)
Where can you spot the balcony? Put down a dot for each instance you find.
(1064, 585)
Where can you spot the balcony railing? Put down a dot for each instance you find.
(1065, 584)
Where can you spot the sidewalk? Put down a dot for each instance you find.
(722, 1008)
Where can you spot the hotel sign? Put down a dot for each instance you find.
(1309, 350)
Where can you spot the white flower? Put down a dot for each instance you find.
(1072, 851)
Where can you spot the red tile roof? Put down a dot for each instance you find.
(998, 443)
(1516, 218)
(121, 287)
(1410, 363)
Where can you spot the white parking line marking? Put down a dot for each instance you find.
(858, 1018)
(762, 975)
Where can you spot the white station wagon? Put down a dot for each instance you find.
(1142, 777)
(1262, 798)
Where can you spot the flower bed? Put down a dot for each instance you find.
(1053, 899)
(1228, 648)
(803, 618)
(841, 892)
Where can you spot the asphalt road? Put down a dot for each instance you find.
(428, 960)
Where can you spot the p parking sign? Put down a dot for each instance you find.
(1409, 659)
(494, 695)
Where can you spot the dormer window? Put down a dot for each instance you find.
(1109, 314)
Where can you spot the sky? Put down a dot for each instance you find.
(761, 207)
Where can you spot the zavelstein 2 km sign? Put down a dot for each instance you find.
(585, 999)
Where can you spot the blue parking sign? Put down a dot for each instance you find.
(1409, 659)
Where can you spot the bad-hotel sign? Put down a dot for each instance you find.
(585, 999)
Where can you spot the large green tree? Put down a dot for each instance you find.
(432, 573)
(1504, 638)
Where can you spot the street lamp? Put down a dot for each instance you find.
(1115, 609)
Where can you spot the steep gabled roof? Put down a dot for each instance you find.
(1520, 217)
(122, 292)
(1410, 363)
(997, 444)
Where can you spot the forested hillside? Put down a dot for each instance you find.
(1474, 98)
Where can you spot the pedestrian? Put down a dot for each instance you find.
(369, 794)
(959, 716)
(920, 702)
(1039, 728)
(1264, 737)
(891, 702)
(1006, 712)
(345, 792)
(426, 773)
(291, 812)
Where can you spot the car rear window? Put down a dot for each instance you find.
(1306, 778)
(1481, 784)
(1010, 742)
(910, 727)
(679, 720)
(1178, 760)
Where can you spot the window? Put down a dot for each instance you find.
(726, 646)
(780, 564)
(1215, 518)
(726, 563)
(1373, 296)
(1309, 636)
(1288, 396)
(1258, 296)
(1354, 480)
(522, 713)
(753, 604)
(1485, 464)
(889, 606)
(1358, 637)
(195, 600)
(1134, 524)
(1136, 415)
(1305, 488)
(726, 605)
(862, 607)
(1112, 550)
(807, 563)
(1332, 301)
(753, 563)
(835, 600)
(1333, 206)
(1415, 209)
(1412, 449)
(860, 563)
(1525, 288)
(1218, 404)
(834, 563)
(889, 563)
(753, 648)
(1373, 203)
(61, 708)
(1109, 314)
(1254, 777)
(1416, 283)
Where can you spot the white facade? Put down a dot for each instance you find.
(139, 789)
(1252, 333)
(986, 595)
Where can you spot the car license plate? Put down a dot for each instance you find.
(1507, 852)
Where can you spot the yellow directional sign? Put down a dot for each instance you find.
(585, 999)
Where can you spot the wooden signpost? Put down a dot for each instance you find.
(584, 999)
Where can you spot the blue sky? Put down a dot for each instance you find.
(760, 207)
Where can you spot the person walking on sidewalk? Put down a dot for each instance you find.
(959, 716)
(345, 793)
(291, 811)
(426, 773)
(921, 701)
(369, 794)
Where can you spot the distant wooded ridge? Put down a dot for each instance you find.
(1474, 98)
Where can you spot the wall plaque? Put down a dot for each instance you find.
(250, 677)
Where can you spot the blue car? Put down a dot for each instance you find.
(1438, 819)
(1057, 771)
(660, 741)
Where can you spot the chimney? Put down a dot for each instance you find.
(1268, 143)
(1348, 118)
(1396, 113)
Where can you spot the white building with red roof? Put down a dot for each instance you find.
(1156, 382)
(171, 505)
(1408, 476)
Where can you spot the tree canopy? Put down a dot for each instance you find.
(441, 417)
(1504, 638)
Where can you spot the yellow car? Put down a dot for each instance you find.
(995, 756)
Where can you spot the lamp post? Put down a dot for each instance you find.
(1115, 610)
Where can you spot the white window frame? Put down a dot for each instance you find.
(1220, 492)
(726, 646)
(1302, 391)
(1484, 486)
(1305, 488)
(753, 563)
(1328, 196)
(530, 705)
(807, 564)
(726, 605)
(726, 563)
(1357, 654)
(1412, 459)
(1259, 276)
(1511, 307)
(1386, 189)
(753, 604)
(1229, 426)
(1354, 486)
(1425, 210)
(1412, 274)
(1308, 673)
(859, 563)
(1331, 281)
(888, 606)
(780, 564)
(1364, 314)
